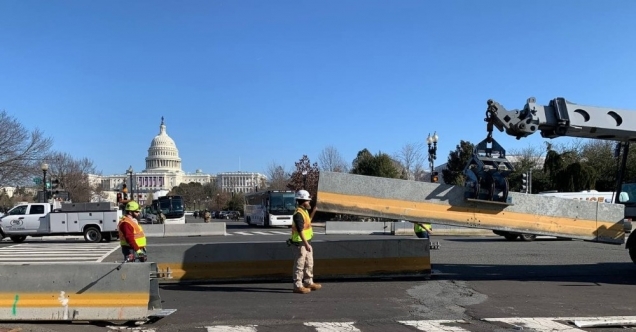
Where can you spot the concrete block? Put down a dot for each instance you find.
(75, 291)
(357, 227)
(273, 261)
(202, 229)
(353, 194)
(153, 230)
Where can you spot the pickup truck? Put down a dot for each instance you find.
(95, 221)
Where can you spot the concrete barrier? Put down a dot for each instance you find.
(78, 291)
(358, 227)
(353, 194)
(406, 228)
(153, 230)
(397, 228)
(273, 261)
(198, 229)
(204, 229)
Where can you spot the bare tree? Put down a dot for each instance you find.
(331, 160)
(278, 177)
(410, 157)
(21, 151)
(73, 176)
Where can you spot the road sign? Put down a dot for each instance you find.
(37, 180)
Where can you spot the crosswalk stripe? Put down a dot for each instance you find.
(435, 325)
(57, 252)
(333, 327)
(279, 232)
(538, 324)
(243, 233)
(262, 233)
(232, 328)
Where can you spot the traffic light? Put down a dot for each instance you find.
(55, 184)
(524, 183)
(435, 177)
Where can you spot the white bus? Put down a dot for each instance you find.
(269, 208)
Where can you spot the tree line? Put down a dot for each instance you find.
(22, 153)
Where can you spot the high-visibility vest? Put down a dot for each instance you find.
(307, 230)
(138, 232)
(419, 228)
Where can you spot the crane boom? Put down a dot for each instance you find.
(562, 118)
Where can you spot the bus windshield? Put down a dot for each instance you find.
(171, 206)
(282, 203)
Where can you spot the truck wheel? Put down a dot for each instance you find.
(92, 234)
(527, 237)
(18, 238)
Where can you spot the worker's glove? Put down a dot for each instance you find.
(130, 258)
(141, 255)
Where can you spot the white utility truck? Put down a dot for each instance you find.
(95, 221)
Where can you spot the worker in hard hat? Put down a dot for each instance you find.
(301, 240)
(423, 230)
(131, 236)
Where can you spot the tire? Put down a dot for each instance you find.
(527, 237)
(18, 238)
(92, 234)
(632, 254)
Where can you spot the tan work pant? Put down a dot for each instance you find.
(303, 267)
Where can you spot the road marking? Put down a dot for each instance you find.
(101, 259)
(435, 325)
(539, 324)
(262, 233)
(232, 328)
(56, 252)
(333, 327)
(124, 328)
(279, 232)
(243, 233)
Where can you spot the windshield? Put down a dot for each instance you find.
(282, 203)
(171, 207)
(630, 190)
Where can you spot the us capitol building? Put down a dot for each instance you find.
(163, 172)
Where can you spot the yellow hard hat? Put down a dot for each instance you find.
(132, 206)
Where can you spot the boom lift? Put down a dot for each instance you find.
(485, 201)
(563, 118)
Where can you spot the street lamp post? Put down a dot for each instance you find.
(45, 167)
(305, 179)
(432, 151)
(130, 174)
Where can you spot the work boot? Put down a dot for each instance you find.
(301, 290)
(314, 286)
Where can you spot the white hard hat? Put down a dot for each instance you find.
(303, 194)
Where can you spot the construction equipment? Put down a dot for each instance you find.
(485, 201)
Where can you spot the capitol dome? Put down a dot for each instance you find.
(163, 154)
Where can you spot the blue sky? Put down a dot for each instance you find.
(243, 84)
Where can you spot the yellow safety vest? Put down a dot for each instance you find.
(307, 230)
(419, 228)
(138, 232)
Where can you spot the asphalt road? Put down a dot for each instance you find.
(474, 278)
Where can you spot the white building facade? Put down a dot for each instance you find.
(163, 172)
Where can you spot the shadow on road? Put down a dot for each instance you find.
(226, 289)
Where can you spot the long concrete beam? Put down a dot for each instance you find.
(345, 193)
(273, 261)
(78, 291)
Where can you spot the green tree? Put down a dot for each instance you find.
(190, 192)
(568, 171)
(380, 165)
(457, 160)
